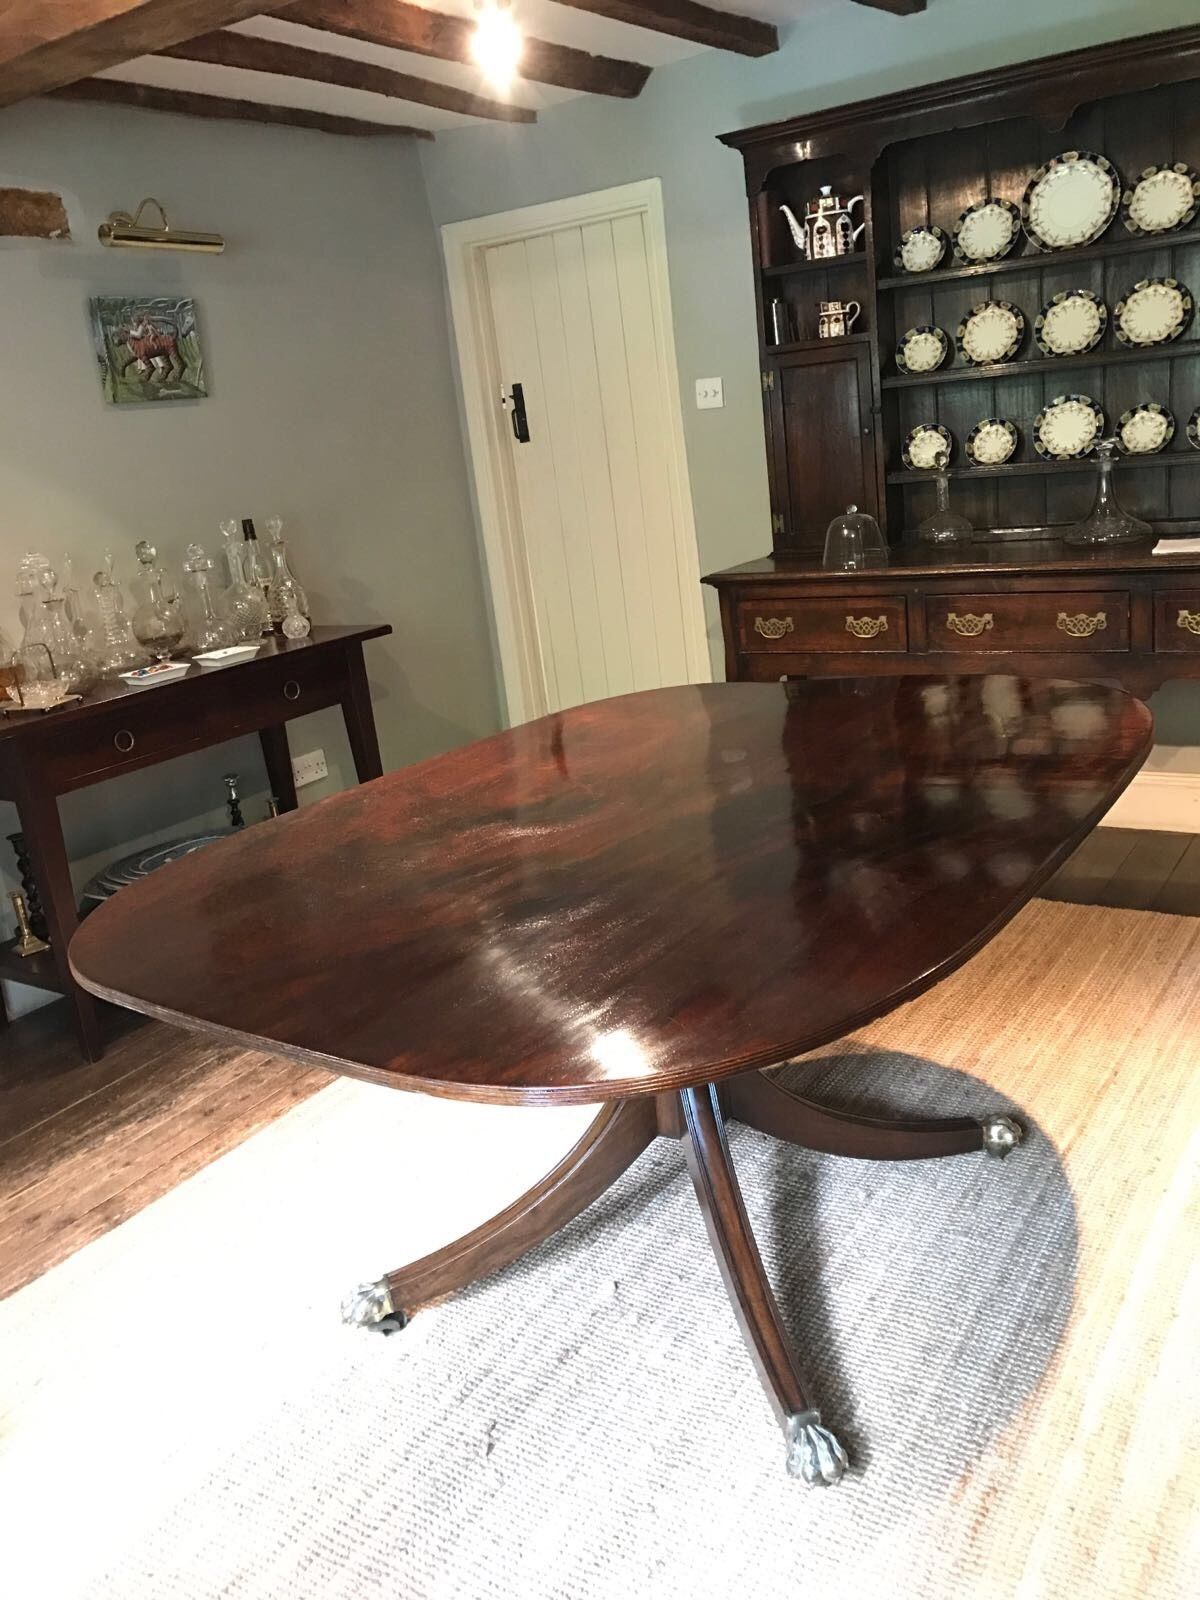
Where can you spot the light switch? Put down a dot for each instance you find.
(710, 394)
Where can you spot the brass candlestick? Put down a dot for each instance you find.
(28, 943)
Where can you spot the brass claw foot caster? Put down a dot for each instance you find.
(370, 1306)
(813, 1453)
(1001, 1134)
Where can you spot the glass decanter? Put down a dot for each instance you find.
(30, 567)
(116, 647)
(295, 624)
(75, 612)
(1106, 522)
(284, 587)
(158, 622)
(50, 626)
(255, 563)
(37, 684)
(943, 526)
(243, 605)
(206, 630)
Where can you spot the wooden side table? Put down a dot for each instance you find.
(117, 729)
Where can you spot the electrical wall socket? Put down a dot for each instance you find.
(309, 767)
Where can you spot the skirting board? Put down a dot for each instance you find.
(1169, 801)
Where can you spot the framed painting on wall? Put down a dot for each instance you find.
(148, 349)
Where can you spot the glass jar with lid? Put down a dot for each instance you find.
(853, 541)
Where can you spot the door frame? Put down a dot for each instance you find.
(505, 564)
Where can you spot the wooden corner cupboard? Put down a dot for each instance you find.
(837, 411)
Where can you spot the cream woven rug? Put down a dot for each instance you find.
(1009, 1349)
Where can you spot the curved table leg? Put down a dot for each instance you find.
(813, 1452)
(612, 1143)
(757, 1100)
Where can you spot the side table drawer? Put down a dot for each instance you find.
(1085, 623)
(1177, 623)
(876, 622)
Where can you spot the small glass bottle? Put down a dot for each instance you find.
(158, 621)
(295, 624)
(1106, 522)
(284, 587)
(944, 526)
(117, 647)
(243, 605)
(205, 630)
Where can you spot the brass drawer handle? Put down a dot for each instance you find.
(1189, 620)
(866, 627)
(969, 625)
(1080, 625)
(774, 627)
(123, 741)
(291, 690)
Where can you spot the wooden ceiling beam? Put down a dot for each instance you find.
(251, 54)
(47, 43)
(685, 19)
(117, 92)
(898, 8)
(399, 26)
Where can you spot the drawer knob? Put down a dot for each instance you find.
(123, 741)
(866, 627)
(291, 690)
(969, 625)
(1079, 625)
(774, 627)
(1189, 620)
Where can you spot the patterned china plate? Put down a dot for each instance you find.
(1071, 324)
(991, 331)
(1193, 429)
(1144, 430)
(1068, 427)
(922, 350)
(1071, 200)
(1162, 199)
(991, 442)
(1155, 311)
(924, 444)
(920, 249)
(987, 230)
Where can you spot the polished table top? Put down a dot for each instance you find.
(632, 896)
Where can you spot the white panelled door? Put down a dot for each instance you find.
(599, 539)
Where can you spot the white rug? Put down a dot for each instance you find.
(1004, 1347)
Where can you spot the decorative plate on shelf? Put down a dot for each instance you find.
(1071, 200)
(991, 331)
(1154, 311)
(920, 249)
(991, 442)
(922, 350)
(1193, 429)
(1068, 427)
(1071, 324)
(987, 230)
(1143, 430)
(1162, 199)
(924, 444)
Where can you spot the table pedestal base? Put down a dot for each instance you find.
(619, 1134)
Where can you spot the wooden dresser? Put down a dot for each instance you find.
(838, 410)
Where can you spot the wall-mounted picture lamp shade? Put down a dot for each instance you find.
(130, 233)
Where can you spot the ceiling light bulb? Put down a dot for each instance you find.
(496, 43)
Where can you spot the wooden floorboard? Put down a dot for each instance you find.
(1180, 894)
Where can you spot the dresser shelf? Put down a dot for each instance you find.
(792, 269)
(1018, 369)
(1029, 469)
(1131, 244)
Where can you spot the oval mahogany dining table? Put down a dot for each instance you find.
(641, 903)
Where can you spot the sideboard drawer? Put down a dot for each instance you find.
(1177, 622)
(1088, 623)
(879, 622)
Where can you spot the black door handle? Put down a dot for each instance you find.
(520, 422)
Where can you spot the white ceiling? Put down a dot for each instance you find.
(540, 19)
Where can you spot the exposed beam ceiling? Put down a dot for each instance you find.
(898, 8)
(47, 43)
(252, 54)
(400, 26)
(720, 30)
(117, 92)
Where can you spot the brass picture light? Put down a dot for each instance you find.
(128, 232)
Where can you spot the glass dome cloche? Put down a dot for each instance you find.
(853, 541)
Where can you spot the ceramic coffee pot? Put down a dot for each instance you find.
(828, 227)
